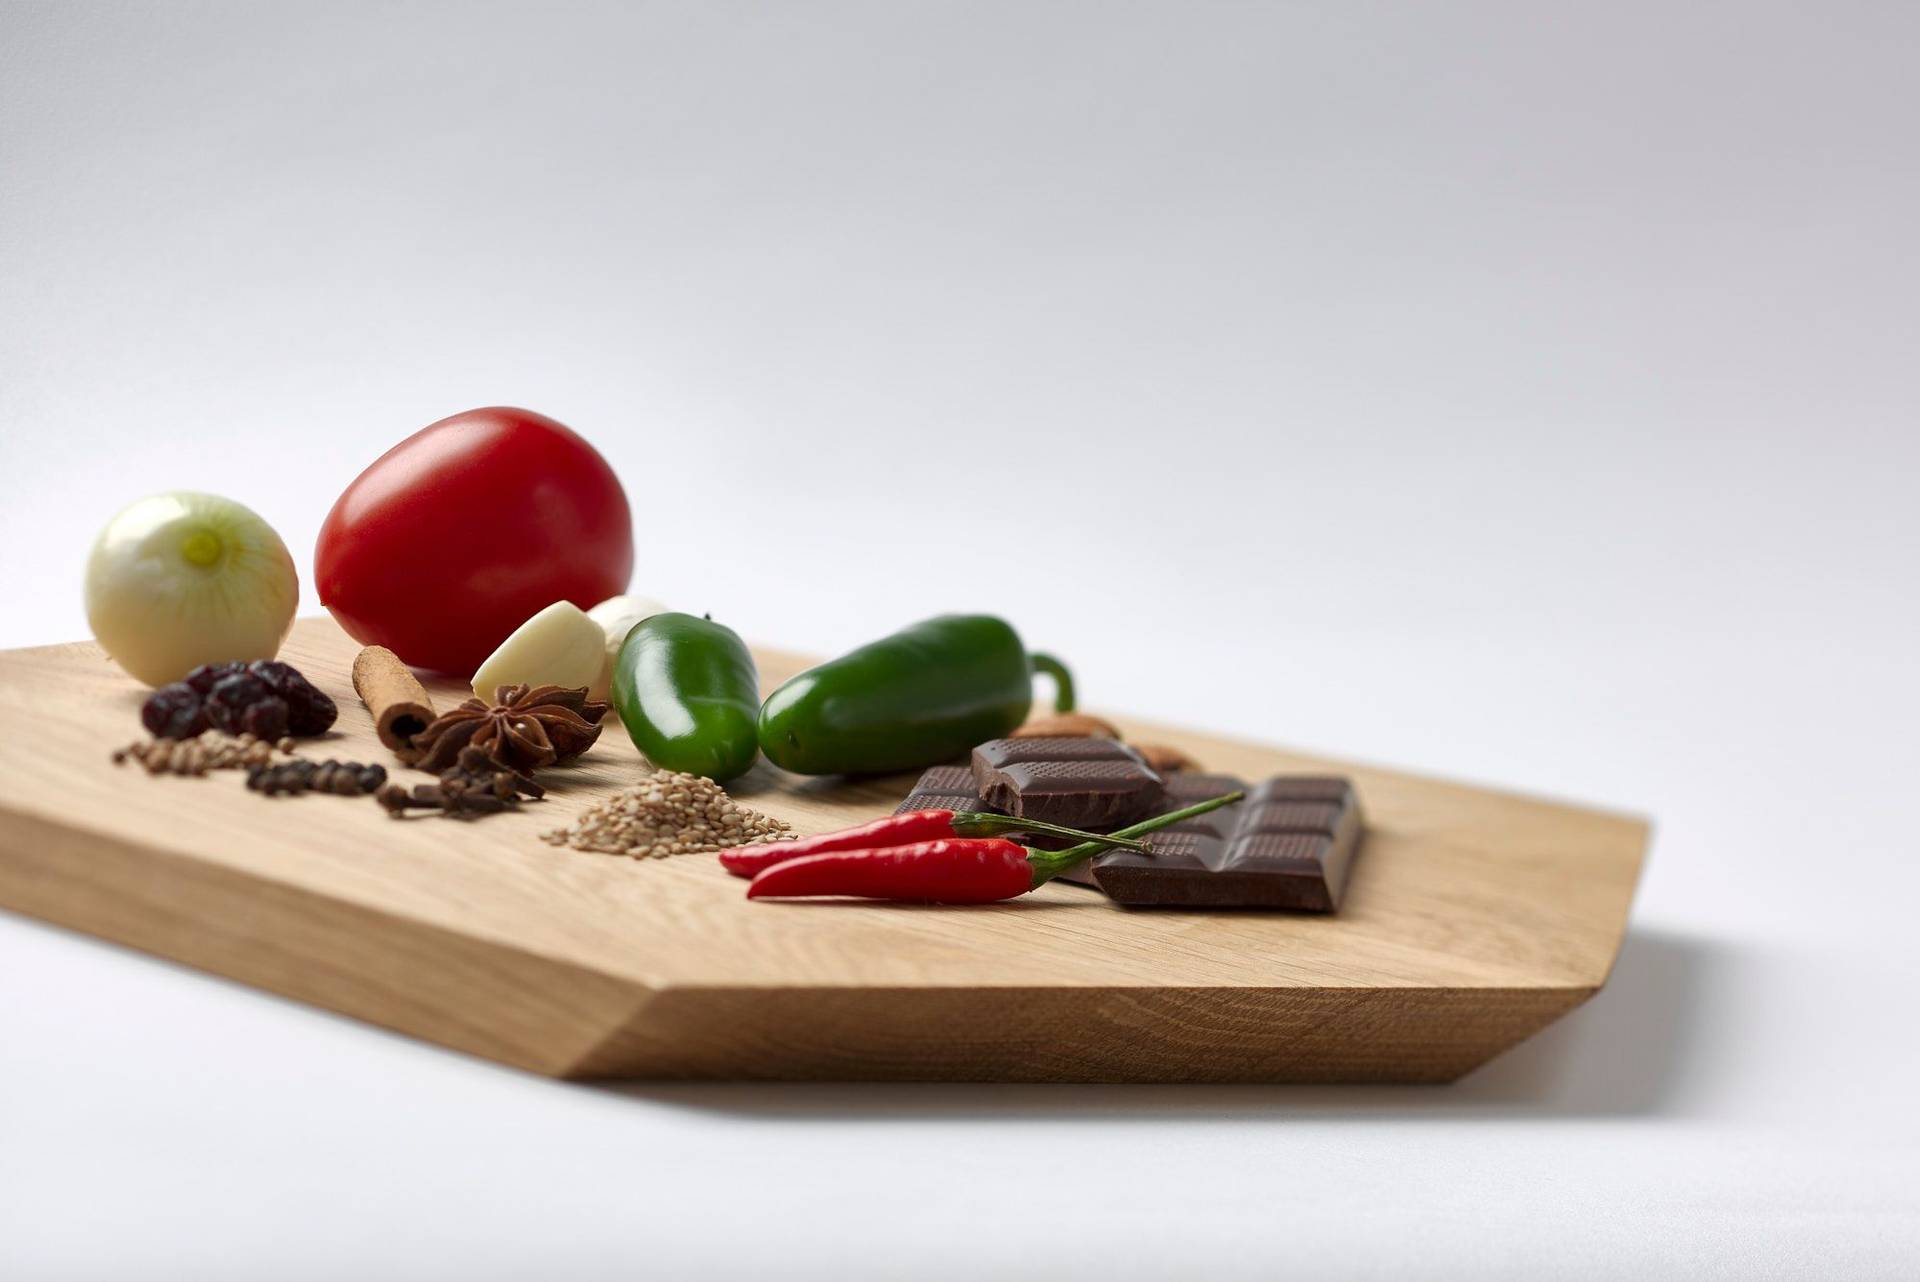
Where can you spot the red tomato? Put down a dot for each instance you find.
(466, 529)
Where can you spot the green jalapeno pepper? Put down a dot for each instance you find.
(924, 695)
(687, 692)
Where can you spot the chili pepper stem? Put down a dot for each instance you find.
(1048, 864)
(1062, 679)
(979, 823)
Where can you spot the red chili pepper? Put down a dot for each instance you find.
(976, 870)
(898, 830)
(957, 870)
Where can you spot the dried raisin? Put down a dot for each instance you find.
(266, 718)
(309, 710)
(203, 678)
(173, 712)
(231, 697)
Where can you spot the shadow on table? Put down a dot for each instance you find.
(1634, 1050)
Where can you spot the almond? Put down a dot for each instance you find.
(1067, 725)
(1165, 759)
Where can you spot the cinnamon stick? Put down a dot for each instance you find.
(394, 696)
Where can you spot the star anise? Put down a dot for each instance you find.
(522, 729)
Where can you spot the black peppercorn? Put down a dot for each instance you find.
(342, 778)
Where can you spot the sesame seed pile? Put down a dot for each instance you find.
(668, 813)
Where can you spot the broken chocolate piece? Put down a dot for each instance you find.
(1081, 783)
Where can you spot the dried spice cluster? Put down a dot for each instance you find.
(668, 813)
(475, 785)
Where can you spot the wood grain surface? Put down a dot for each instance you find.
(1473, 919)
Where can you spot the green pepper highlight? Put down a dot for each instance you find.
(688, 693)
(924, 695)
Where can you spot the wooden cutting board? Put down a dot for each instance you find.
(1473, 919)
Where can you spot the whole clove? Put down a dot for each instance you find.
(395, 798)
(453, 799)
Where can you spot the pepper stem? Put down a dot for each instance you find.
(1062, 679)
(982, 823)
(1048, 864)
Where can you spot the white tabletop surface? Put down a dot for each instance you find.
(1520, 393)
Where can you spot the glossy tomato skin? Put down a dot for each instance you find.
(463, 531)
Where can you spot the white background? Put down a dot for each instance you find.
(1519, 392)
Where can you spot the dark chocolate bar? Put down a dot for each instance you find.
(1082, 783)
(1290, 844)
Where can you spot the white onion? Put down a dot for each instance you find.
(181, 579)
